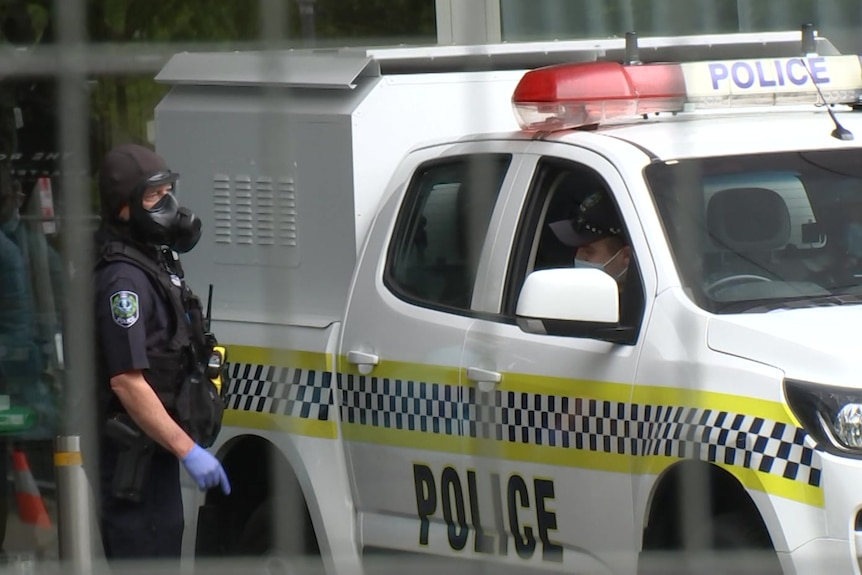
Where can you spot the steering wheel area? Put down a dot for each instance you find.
(733, 280)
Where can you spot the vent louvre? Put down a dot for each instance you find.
(259, 210)
(264, 203)
(244, 215)
(286, 205)
(222, 208)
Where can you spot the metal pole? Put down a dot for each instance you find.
(468, 23)
(626, 19)
(745, 16)
(272, 129)
(597, 24)
(709, 16)
(553, 20)
(74, 505)
(662, 19)
(306, 18)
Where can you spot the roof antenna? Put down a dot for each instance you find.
(809, 48)
(633, 56)
(809, 43)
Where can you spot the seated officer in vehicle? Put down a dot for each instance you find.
(597, 236)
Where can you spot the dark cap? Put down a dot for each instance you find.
(126, 169)
(595, 218)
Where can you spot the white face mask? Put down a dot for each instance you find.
(588, 265)
(584, 264)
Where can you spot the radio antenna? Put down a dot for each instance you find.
(809, 48)
(209, 316)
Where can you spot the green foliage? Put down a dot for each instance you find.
(171, 20)
(375, 18)
(230, 21)
(123, 105)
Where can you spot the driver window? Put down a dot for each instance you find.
(572, 219)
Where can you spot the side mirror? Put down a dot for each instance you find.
(571, 302)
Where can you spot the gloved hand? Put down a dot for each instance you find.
(205, 469)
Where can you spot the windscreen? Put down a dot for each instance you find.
(767, 231)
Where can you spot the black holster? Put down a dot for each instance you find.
(135, 453)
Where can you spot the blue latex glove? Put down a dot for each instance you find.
(205, 469)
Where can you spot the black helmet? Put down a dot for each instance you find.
(127, 172)
(127, 169)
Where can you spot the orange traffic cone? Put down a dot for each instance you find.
(31, 507)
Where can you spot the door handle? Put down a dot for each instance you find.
(485, 379)
(364, 362)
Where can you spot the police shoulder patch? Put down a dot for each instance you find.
(124, 308)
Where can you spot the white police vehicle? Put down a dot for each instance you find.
(415, 355)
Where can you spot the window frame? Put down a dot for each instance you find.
(816, 170)
(528, 237)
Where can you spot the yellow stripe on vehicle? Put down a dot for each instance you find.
(283, 423)
(606, 426)
(280, 357)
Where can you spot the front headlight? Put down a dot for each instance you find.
(831, 415)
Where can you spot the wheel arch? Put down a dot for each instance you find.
(261, 475)
(688, 491)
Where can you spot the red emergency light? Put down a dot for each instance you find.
(585, 94)
(573, 95)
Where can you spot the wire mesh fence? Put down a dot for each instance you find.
(78, 78)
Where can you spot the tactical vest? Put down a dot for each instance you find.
(170, 366)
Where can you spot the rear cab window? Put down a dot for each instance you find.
(441, 230)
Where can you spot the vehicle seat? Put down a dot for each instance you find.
(747, 228)
(433, 256)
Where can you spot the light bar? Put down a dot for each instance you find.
(585, 94)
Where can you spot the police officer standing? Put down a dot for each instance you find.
(149, 335)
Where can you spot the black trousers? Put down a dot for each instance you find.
(150, 528)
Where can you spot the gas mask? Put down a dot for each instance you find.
(166, 223)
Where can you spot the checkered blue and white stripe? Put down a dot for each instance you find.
(280, 390)
(585, 424)
(399, 404)
(592, 425)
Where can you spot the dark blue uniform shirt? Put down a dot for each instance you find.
(131, 317)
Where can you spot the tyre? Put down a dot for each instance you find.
(258, 535)
(289, 555)
(735, 544)
(734, 532)
(741, 545)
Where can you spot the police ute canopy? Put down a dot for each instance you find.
(552, 307)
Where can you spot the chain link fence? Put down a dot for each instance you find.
(77, 78)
